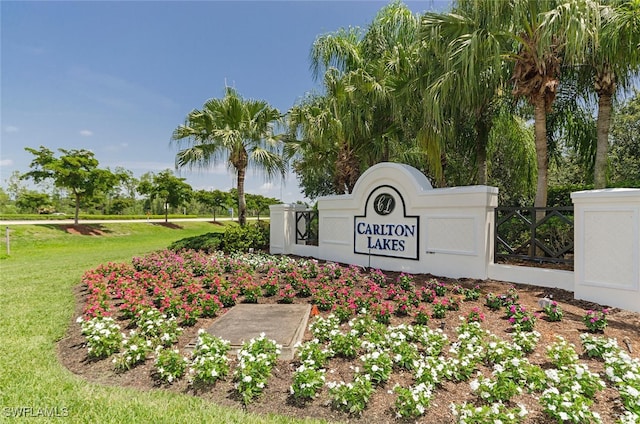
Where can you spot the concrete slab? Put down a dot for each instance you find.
(283, 323)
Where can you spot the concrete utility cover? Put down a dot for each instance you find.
(283, 323)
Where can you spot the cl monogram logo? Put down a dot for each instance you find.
(384, 204)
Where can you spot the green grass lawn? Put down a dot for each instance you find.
(36, 306)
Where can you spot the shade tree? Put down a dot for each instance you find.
(165, 186)
(75, 170)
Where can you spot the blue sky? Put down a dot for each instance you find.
(117, 77)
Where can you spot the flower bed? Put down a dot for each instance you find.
(384, 347)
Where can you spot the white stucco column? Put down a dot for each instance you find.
(607, 247)
(282, 227)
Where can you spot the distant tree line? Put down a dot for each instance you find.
(73, 183)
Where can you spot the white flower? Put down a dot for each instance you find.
(247, 379)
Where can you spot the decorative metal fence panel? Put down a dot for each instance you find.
(307, 228)
(534, 234)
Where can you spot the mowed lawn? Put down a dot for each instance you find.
(36, 306)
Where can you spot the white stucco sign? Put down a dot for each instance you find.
(385, 229)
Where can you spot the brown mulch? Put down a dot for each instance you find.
(623, 325)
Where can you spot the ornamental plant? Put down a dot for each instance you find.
(324, 298)
(313, 354)
(526, 340)
(596, 321)
(432, 341)
(500, 388)
(553, 311)
(209, 360)
(421, 315)
(252, 292)
(256, 359)
(577, 378)
(351, 397)
(406, 282)
(475, 315)
(135, 350)
(494, 413)
(210, 305)
(404, 354)
(307, 382)
(412, 402)
(440, 307)
(472, 294)
(323, 328)
(382, 311)
(521, 318)
(157, 327)
(568, 406)
(170, 364)
(510, 297)
(270, 284)
(378, 277)
(597, 347)
(228, 296)
(103, 336)
(426, 294)
(377, 365)
(562, 353)
(345, 345)
(342, 312)
(429, 370)
(287, 294)
(454, 303)
(493, 301)
(499, 351)
(439, 287)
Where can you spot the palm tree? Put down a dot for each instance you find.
(605, 45)
(238, 130)
(513, 33)
(470, 81)
(356, 118)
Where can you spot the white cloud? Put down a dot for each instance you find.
(116, 147)
(11, 129)
(6, 162)
(267, 186)
(86, 133)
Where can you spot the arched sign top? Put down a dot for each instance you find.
(394, 174)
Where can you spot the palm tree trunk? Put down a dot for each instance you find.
(540, 131)
(602, 146)
(242, 203)
(482, 133)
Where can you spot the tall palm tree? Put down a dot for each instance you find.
(605, 45)
(467, 87)
(513, 33)
(236, 130)
(359, 69)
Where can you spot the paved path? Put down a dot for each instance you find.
(108, 221)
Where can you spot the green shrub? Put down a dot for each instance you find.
(240, 239)
(234, 239)
(208, 242)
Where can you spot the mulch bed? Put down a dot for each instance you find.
(623, 325)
